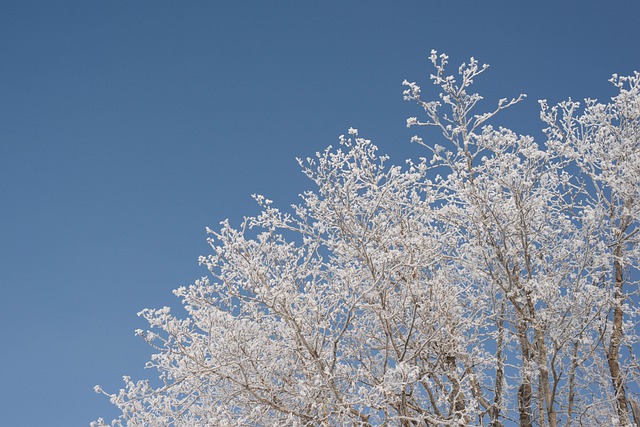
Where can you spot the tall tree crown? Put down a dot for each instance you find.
(492, 283)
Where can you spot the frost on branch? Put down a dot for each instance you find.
(457, 123)
(493, 284)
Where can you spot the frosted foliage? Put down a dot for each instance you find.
(491, 283)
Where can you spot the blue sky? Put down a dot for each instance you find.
(126, 127)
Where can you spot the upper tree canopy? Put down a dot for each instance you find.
(491, 283)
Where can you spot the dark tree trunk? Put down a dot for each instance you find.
(524, 405)
(621, 403)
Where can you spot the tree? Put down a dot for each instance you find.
(492, 284)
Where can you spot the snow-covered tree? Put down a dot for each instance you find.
(491, 283)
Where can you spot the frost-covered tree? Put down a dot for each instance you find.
(492, 283)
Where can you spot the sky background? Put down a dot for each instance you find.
(127, 127)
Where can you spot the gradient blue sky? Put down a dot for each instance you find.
(126, 127)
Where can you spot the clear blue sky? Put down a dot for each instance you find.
(126, 127)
